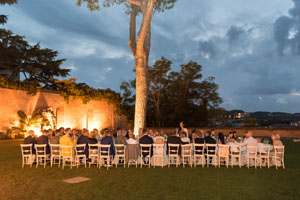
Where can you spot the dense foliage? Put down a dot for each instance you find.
(175, 96)
(41, 70)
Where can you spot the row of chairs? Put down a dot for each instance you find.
(197, 154)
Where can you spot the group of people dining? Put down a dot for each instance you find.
(180, 136)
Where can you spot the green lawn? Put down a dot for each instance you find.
(158, 183)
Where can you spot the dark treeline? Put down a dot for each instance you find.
(175, 96)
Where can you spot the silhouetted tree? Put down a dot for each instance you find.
(139, 45)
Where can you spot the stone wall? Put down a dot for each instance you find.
(75, 114)
(261, 132)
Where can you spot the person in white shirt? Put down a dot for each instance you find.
(182, 129)
(131, 140)
(250, 140)
(184, 138)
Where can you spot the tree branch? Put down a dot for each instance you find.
(132, 29)
(134, 2)
(145, 26)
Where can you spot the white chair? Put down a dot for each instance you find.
(158, 154)
(41, 156)
(223, 152)
(132, 154)
(236, 154)
(55, 154)
(27, 155)
(93, 154)
(80, 154)
(145, 150)
(104, 155)
(211, 153)
(173, 151)
(120, 154)
(66, 155)
(278, 157)
(199, 154)
(186, 154)
(264, 154)
(251, 155)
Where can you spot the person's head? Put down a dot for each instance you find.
(234, 134)
(74, 131)
(275, 136)
(95, 131)
(85, 132)
(221, 137)
(248, 134)
(61, 130)
(174, 133)
(212, 132)
(207, 133)
(230, 135)
(106, 133)
(258, 140)
(31, 132)
(198, 134)
(181, 124)
(145, 132)
(50, 132)
(140, 131)
(119, 131)
(157, 133)
(68, 131)
(45, 132)
(130, 135)
(124, 133)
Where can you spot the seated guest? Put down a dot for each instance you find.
(140, 134)
(55, 138)
(174, 139)
(234, 136)
(30, 140)
(119, 132)
(61, 131)
(146, 139)
(121, 138)
(198, 138)
(249, 139)
(92, 138)
(213, 134)
(192, 135)
(43, 139)
(107, 139)
(184, 138)
(221, 138)
(158, 138)
(83, 139)
(97, 134)
(66, 140)
(131, 139)
(276, 140)
(208, 139)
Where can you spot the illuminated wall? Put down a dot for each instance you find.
(75, 114)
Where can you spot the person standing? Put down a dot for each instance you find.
(182, 129)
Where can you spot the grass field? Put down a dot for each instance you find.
(158, 183)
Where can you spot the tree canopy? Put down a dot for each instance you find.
(175, 96)
(42, 70)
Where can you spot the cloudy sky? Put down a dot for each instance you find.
(251, 47)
